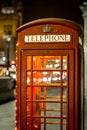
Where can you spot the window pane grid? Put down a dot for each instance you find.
(46, 98)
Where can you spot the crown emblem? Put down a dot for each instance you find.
(47, 29)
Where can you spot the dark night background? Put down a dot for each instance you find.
(68, 9)
(36, 9)
(41, 1)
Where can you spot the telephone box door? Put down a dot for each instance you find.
(47, 90)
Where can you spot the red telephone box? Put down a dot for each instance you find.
(49, 76)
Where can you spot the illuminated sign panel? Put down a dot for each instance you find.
(47, 38)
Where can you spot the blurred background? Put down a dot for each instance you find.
(13, 14)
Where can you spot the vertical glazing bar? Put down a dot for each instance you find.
(31, 91)
(61, 93)
(67, 90)
(45, 109)
(44, 96)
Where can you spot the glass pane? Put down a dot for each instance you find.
(42, 126)
(28, 78)
(47, 77)
(37, 62)
(53, 113)
(64, 62)
(53, 121)
(64, 124)
(37, 77)
(36, 123)
(53, 64)
(42, 91)
(64, 77)
(47, 62)
(42, 114)
(36, 108)
(52, 127)
(29, 93)
(36, 93)
(53, 108)
(64, 96)
(64, 109)
(28, 62)
(28, 108)
(53, 93)
(29, 123)
(56, 77)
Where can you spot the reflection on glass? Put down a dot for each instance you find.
(28, 93)
(53, 113)
(42, 126)
(36, 110)
(46, 77)
(28, 62)
(53, 64)
(53, 93)
(42, 114)
(56, 77)
(37, 77)
(28, 78)
(64, 62)
(52, 126)
(64, 108)
(36, 123)
(64, 94)
(28, 108)
(28, 123)
(54, 108)
(47, 62)
(52, 120)
(64, 124)
(64, 76)
(42, 91)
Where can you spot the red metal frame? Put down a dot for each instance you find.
(29, 99)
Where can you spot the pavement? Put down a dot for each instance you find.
(7, 116)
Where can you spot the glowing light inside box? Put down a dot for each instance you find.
(47, 66)
(44, 79)
(34, 58)
(57, 61)
(35, 79)
(28, 80)
(56, 65)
